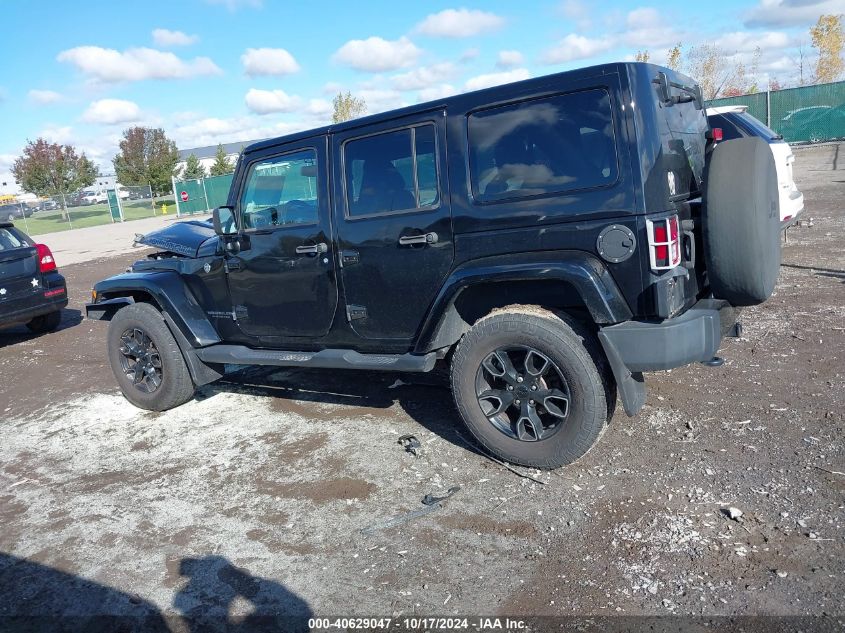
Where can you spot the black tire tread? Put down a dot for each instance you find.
(177, 386)
(558, 331)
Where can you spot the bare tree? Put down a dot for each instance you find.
(719, 73)
(828, 40)
(673, 59)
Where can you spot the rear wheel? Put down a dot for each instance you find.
(532, 387)
(146, 360)
(45, 322)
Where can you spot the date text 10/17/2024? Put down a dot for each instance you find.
(419, 623)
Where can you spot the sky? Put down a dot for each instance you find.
(211, 71)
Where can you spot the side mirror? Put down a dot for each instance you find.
(223, 219)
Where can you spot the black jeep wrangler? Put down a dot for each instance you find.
(550, 240)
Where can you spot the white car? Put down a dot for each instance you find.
(93, 197)
(735, 122)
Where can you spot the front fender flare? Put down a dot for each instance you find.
(584, 273)
(171, 294)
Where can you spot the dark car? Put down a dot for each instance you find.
(14, 211)
(32, 291)
(548, 240)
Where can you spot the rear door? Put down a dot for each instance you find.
(393, 221)
(19, 275)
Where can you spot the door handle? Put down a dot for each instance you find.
(426, 238)
(312, 249)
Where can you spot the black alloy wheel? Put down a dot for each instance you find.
(523, 393)
(140, 360)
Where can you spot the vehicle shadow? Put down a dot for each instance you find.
(216, 587)
(71, 317)
(426, 398)
(821, 272)
(216, 597)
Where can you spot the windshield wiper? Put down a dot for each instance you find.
(665, 85)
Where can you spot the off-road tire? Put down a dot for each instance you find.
(176, 385)
(570, 346)
(45, 323)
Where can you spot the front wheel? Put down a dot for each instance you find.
(146, 360)
(45, 322)
(531, 387)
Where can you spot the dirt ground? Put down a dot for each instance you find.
(250, 501)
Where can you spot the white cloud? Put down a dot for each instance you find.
(784, 13)
(332, 88)
(376, 54)
(496, 79)
(135, 64)
(380, 100)
(112, 111)
(267, 101)
(423, 77)
(319, 107)
(6, 162)
(468, 55)
(573, 47)
(509, 59)
(213, 130)
(166, 37)
(436, 92)
(57, 134)
(578, 12)
(747, 41)
(647, 27)
(460, 23)
(44, 97)
(268, 61)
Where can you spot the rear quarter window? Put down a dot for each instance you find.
(10, 239)
(542, 146)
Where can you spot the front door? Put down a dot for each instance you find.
(393, 222)
(282, 282)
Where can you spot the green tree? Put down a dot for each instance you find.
(221, 165)
(193, 168)
(146, 156)
(50, 169)
(829, 41)
(347, 107)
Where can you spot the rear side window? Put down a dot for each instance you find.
(391, 172)
(729, 130)
(281, 191)
(542, 146)
(8, 240)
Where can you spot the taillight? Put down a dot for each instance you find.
(664, 243)
(46, 263)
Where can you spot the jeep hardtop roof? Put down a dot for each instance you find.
(541, 84)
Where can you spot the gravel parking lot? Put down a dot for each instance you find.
(251, 500)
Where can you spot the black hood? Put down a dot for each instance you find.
(194, 238)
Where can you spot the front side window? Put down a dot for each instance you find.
(542, 146)
(281, 191)
(390, 172)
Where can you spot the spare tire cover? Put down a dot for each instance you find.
(741, 221)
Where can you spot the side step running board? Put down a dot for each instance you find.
(326, 359)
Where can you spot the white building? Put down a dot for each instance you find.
(207, 154)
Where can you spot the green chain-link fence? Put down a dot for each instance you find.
(84, 208)
(201, 195)
(809, 113)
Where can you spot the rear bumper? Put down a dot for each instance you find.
(691, 337)
(791, 204)
(24, 309)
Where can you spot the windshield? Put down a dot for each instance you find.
(758, 127)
